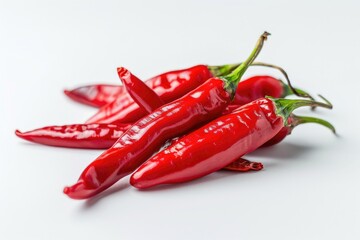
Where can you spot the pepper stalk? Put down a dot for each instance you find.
(232, 80)
(285, 107)
(298, 120)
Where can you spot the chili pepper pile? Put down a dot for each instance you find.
(179, 125)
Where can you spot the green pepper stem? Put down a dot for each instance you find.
(305, 119)
(233, 79)
(325, 100)
(284, 107)
(289, 91)
(221, 70)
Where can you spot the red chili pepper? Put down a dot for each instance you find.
(294, 121)
(144, 96)
(218, 143)
(95, 95)
(147, 135)
(94, 136)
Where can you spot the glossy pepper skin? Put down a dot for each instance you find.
(96, 95)
(93, 136)
(218, 143)
(147, 135)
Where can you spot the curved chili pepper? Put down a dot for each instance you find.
(143, 95)
(218, 143)
(294, 121)
(94, 136)
(147, 135)
(96, 95)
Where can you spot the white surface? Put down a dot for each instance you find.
(309, 188)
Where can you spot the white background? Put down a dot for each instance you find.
(309, 188)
